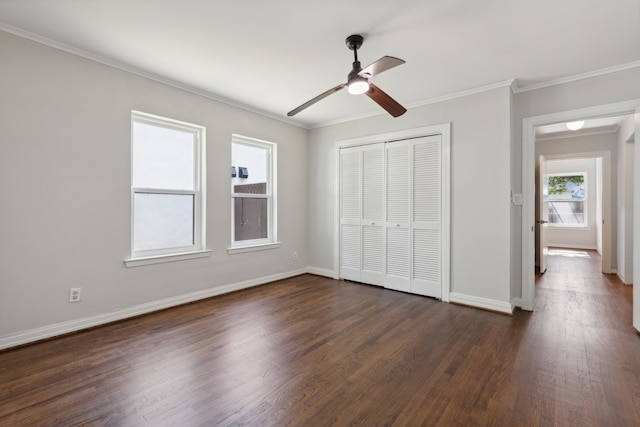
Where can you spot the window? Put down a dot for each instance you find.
(253, 201)
(166, 188)
(567, 199)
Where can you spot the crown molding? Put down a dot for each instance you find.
(142, 73)
(512, 83)
(436, 100)
(576, 77)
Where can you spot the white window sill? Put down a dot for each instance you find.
(252, 248)
(158, 259)
(570, 227)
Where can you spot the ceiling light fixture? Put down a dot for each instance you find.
(575, 125)
(358, 85)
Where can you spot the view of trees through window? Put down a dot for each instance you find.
(566, 199)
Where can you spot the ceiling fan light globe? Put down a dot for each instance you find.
(358, 87)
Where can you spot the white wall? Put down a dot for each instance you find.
(480, 188)
(65, 156)
(583, 237)
(625, 145)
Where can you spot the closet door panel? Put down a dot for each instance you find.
(373, 213)
(398, 204)
(350, 208)
(426, 278)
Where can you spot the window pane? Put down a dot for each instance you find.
(250, 218)
(565, 187)
(163, 221)
(566, 212)
(162, 157)
(251, 165)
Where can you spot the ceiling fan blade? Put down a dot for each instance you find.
(385, 101)
(382, 64)
(316, 99)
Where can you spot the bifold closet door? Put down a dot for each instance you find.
(391, 215)
(362, 213)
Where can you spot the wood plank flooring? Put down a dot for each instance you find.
(310, 351)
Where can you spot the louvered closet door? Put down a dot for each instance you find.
(427, 217)
(350, 203)
(373, 215)
(398, 205)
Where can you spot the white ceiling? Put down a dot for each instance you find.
(272, 56)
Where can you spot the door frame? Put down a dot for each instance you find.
(444, 130)
(528, 182)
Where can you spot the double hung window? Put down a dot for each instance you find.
(253, 195)
(167, 187)
(567, 199)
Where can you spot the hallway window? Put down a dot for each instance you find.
(567, 199)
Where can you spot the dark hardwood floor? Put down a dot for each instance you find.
(310, 351)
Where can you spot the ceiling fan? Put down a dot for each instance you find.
(358, 81)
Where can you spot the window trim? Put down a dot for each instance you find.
(198, 249)
(585, 224)
(271, 241)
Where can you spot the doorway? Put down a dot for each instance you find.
(574, 210)
(528, 173)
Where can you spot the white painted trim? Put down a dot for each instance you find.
(577, 134)
(49, 331)
(570, 246)
(320, 272)
(484, 303)
(576, 77)
(528, 180)
(444, 130)
(253, 248)
(516, 302)
(159, 259)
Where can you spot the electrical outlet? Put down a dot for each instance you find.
(295, 256)
(74, 294)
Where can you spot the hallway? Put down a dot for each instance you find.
(574, 290)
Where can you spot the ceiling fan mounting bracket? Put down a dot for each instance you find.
(354, 41)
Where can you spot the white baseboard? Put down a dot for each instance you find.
(516, 302)
(487, 304)
(571, 246)
(622, 278)
(320, 272)
(74, 325)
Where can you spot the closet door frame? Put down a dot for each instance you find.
(442, 129)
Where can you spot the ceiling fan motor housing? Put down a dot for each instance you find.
(354, 41)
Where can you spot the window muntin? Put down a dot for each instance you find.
(566, 199)
(167, 187)
(252, 192)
